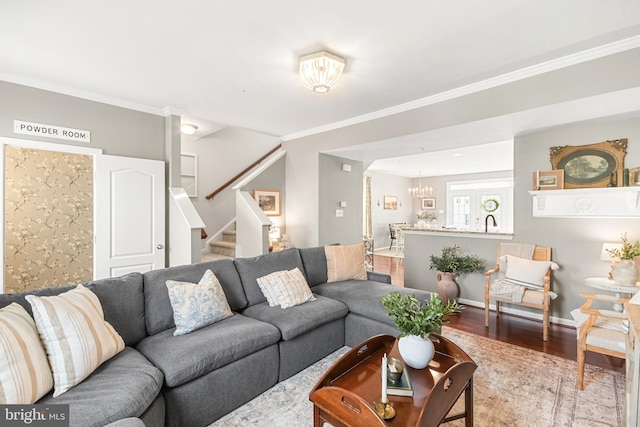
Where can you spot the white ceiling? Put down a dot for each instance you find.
(234, 62)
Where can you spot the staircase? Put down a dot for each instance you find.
(226, 248)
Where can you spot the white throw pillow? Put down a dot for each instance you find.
(196, 305)
(286, 288)
(25, 375)
(345, 262)
(76, 336)
(526, 272)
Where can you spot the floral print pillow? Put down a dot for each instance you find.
(196, 305)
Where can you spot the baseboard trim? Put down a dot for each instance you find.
(517, 312)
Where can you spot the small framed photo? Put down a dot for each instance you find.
(391, 202)
(268, 200)
(429, 203)
(548, 180)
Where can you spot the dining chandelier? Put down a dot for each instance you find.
(320, 71)
(420, 191)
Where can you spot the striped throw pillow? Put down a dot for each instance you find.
(76, 336)
(25, 375)
(286, 288)
(345, 262)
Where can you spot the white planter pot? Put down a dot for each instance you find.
(415, 351)
(625, 273)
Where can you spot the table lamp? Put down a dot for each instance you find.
(605, 255)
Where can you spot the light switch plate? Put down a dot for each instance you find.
(339, 213)
(343, 204)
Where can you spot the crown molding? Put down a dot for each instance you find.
(524, 73)
(88, 95)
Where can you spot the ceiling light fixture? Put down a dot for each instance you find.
(188, 128)
(420, 192)
(320, 71)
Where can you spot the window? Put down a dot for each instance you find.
(469, 204)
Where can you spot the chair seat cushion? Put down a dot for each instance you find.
(301, 318)
(186, 357)
(607, 338)
(124, 386)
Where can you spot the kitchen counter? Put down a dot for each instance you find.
(448, 232)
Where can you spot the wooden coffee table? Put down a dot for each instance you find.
(347, 392)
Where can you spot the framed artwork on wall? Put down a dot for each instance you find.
(429, 203)
(391, 202)
(268, 200)
(594, 165)
(548, 180)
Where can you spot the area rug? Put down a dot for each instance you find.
(513, 386)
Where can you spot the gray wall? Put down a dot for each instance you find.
(336, 186)
(575, 243)
(117, 131)
(273, 179)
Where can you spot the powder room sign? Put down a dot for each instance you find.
(49, 131)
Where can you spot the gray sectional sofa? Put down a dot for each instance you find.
(194, 379)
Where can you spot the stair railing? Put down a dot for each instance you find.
(244, 171)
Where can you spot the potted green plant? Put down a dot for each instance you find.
(449, 265)
(415, 320)
(625, 272)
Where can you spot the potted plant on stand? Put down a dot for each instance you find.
(450, 265)
(415, 320)
(625, 272)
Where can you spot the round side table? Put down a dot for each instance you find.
(605, 284)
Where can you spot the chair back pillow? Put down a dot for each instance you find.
(526, 272)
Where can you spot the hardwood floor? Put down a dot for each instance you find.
(509, 328)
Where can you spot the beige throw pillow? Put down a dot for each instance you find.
(286, 288)
(527, 272)
(345, 262)
(25, 375)
(76, 336)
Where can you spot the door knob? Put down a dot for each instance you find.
(160, 246)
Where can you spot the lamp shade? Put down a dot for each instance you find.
(605, 255)
(320, 71)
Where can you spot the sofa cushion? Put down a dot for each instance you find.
(122, 301)
(186, 357)
(301, 318)
(315, 265)
(122, 387)
(196, 305)
(285, 288)
(362, 297)
(76, 336)
(25, 375)
(159, 314)
(345, 262)
(250, 269)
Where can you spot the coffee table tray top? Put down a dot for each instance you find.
(347, 392)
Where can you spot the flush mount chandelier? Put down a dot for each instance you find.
(188, 129)
(321, 71)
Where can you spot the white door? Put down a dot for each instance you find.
(129, 215)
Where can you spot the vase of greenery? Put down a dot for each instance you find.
(625, 272)
(449, 265)
(425, 217)
(415, 320)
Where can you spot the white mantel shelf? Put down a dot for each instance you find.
(610, 202)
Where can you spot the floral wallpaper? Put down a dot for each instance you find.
(48, 219)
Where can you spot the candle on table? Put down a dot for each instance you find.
(384, 379)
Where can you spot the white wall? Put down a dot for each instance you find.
(389, 185)
(220, 157)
